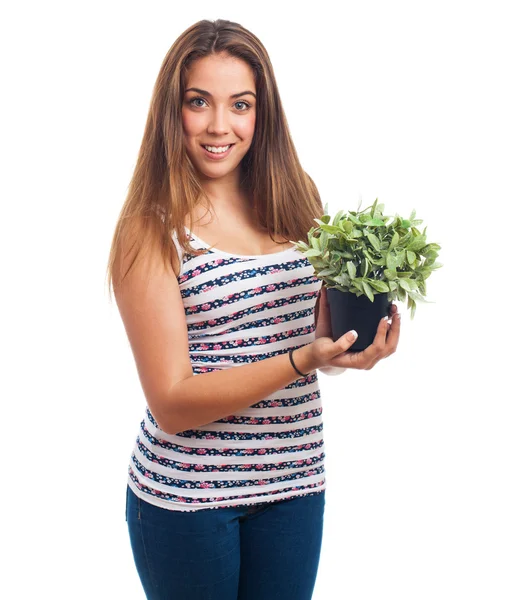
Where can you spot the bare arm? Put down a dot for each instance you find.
(208, 397)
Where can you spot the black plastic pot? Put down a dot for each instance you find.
(349, 311)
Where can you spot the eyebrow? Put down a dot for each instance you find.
(205, 93)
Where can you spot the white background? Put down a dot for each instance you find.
(421, 104)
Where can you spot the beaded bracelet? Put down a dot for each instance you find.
(294, 367)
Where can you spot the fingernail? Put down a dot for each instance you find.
(351, 335)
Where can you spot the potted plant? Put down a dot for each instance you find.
(366, 260)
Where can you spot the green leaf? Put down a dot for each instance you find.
(400, 257)
(374, 241)
(337, 217)
(410, 256)
(394, 242)
(380, 286)
(330, 228)
(405, 239)
(352, 269)
(368, 290)
(376, 261)
(326, 272)
(367, 254)
(364, 267)
(313, 252)
(408, 284)
(375, 223)
(354, 219)
(411, 305)
(300, 245)
(417, 243)
(405, 285)
(343, 279)
(430, 250)
(358, 284)
(417, 296)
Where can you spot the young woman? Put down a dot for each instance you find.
(226, 486)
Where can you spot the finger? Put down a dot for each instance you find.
(393, 335)
(379, 341)
(341, 356)
(339, 347)
(346, 341)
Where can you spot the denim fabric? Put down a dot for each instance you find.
(269, 551)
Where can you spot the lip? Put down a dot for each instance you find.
(213, 156)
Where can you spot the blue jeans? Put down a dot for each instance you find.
(268, 551)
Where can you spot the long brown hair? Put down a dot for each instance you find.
(165, 181)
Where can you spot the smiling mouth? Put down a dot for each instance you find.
(214, 150)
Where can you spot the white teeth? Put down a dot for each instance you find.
(217, 150)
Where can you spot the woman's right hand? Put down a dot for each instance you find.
(327, 353)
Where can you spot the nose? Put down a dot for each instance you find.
(219, 121)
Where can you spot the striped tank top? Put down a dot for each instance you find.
(240, 309)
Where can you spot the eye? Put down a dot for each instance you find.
(194, 99)
(243, 102)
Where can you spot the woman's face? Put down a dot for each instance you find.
(219, 109)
